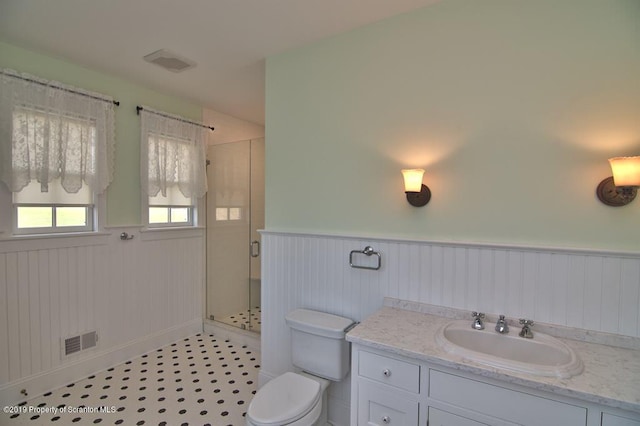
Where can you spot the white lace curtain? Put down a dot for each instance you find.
(48, 133)
(172, 153)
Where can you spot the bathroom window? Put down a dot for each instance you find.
(54, 211)
(42, 208)
(228, 213)
(168, 215)
(171, 209)
(57, 145)
(173, 169)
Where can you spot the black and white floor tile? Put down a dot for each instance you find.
(250, 319)
(200, 380)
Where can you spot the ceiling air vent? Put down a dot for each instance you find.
(169, 60)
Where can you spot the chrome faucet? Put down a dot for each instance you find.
(478, 324)
(501, 326)
(526, 328)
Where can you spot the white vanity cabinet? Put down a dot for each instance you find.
(442, 418)
(490, 401)
(388, 389)
(614, 420)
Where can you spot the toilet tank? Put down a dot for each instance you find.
(318, 345)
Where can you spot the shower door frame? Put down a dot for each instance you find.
(245, 303)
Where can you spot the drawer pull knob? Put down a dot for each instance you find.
(386, 373)
(386, 420)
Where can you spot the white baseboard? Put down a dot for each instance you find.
(339, 412)
(40, 383)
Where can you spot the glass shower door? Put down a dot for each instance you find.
(235, 210)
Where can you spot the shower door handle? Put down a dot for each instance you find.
(255, 248)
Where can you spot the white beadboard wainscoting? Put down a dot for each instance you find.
(584, 289)
(138, 295)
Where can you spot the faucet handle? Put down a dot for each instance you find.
(477, 324)
(526, 328)
(501, 326)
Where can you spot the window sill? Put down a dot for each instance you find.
(13, 243)
(163, 233)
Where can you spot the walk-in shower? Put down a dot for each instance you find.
(235, 211)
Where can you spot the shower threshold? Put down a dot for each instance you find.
(250, 319)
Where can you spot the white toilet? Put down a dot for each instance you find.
(319, 348)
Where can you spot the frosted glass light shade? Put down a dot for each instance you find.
(626, 170)
(412, 179)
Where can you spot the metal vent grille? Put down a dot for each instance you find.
(72, 345)
(80, 342)
(89, 340)
(169, 60)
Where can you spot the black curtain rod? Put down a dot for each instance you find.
(30, 80)
(139, 108)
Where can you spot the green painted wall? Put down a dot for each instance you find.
(512, 107)
(123, 196)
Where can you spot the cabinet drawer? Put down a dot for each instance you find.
(442, 418)
(383, 407)
(611, 420)
(502, 403)
(389, 371)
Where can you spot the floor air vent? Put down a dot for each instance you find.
(80, 342)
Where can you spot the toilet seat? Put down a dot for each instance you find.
(284, 400)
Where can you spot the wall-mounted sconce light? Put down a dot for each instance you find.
(418, 194)
(621, 188)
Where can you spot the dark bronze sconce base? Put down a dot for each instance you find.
(419, 199)
(615, 196)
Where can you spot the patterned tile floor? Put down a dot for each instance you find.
(251, 319)
(201, 380)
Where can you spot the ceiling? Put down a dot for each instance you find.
(228, 39)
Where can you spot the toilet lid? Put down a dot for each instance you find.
(284, 400)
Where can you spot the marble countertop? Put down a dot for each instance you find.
(611, 375)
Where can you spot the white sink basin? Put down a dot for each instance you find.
(543, 355)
